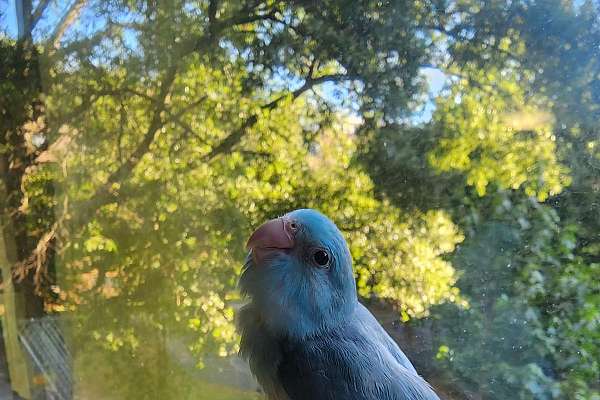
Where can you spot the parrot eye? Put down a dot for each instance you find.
(321, 258)
(294, 226)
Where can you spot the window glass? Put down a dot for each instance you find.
(454, 143)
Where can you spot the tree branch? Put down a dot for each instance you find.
(454, 33)
(172, 117)
(247, 18)
(37, 14)
(212, 12)
(103, 194)
(125, 169)
(63, 25)
(233, 138)
(88, 42)
(309, 83)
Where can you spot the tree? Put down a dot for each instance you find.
(162, 145)
(515, 126)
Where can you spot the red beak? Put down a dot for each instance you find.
(271, 236)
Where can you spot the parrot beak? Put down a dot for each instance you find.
(271, 236)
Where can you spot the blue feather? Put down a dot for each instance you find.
(304, 333)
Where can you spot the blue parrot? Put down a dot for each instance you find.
(303, 331)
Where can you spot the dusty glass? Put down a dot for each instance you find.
(454, 143)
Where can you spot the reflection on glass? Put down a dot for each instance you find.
(454, 143)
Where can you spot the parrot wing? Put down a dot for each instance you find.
(370, 327)
(350, 364)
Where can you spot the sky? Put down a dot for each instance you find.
(8, 17)
(436, 81)
(8, 21)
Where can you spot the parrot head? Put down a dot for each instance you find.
(298, 274)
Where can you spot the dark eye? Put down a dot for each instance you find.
(293, 226)
(321, 258)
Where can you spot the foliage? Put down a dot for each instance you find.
(172, 158)
(518, 268)
(157, 135)
(498, 137)
(507, 129)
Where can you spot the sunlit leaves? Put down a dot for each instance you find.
(494, 134)
(402, 260)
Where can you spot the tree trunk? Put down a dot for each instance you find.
(14, 302)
